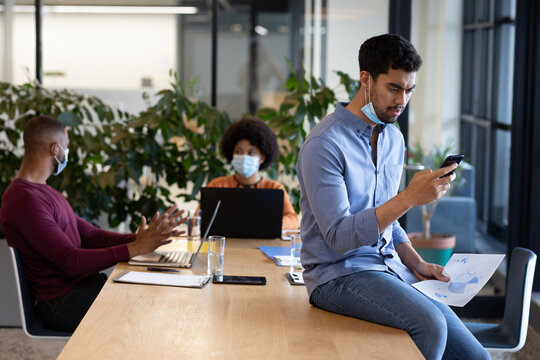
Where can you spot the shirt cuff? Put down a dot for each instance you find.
(120, 253)
(368, 226)
(399, 235)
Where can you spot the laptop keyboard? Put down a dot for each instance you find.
(175, 257)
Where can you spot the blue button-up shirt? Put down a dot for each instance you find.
(340, 189)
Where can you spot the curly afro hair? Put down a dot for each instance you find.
(257, 133)
(379, 53)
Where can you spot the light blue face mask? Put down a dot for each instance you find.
(61, 165)
(245, 165)
(368, 109)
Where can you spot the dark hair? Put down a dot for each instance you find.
(379, 53)
(38, 128)
(257, 133)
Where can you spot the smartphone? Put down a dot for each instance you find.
(452, 159)
(243, 280)
(295, 278)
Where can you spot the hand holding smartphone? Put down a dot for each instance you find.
(449, 160)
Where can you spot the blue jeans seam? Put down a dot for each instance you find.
(330, 299)
(358, 294)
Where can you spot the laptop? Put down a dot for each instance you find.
(245, 213)
(181, 259)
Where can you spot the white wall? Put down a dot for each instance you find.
(97, 51)
(24, 48)
(109, 51)
(3, 76)
(435, 106)
(197, 60)
(350, 23)
(2, 58)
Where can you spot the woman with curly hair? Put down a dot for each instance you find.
(249, 145)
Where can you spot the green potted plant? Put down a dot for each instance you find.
(91, 124)
(128, 163)
(432, 247)
(176, 141)
(307, 102)
(131, 162)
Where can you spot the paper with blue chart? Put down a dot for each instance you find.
(468, 273)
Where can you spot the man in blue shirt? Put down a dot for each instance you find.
(358, 260)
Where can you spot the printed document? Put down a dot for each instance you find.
(283, 260)
(468, 273)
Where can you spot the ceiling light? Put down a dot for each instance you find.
(261, 30)
(63, 9)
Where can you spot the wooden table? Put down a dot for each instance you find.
(274, 321)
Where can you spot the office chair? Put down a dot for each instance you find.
(31, 323)
(511, 333)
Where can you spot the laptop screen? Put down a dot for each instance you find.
(207, 230)
(244, 213)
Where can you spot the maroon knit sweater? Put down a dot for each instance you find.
(58, 249)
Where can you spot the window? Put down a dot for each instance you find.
(486, 106)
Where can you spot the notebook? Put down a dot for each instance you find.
(279, 254)
(182, 259)
(245, 213)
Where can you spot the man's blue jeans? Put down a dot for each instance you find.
(381, 297)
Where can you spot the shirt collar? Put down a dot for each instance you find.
(358, 125)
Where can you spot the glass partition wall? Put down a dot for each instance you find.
(119, 49)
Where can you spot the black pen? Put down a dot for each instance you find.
(161, 269)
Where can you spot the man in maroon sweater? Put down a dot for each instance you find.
(61, 253)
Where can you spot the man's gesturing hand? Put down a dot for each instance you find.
(157, 232)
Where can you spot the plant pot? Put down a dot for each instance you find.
(437, 249)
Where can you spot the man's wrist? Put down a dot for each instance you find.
(405, 200)
(133, 251)
(409, 256)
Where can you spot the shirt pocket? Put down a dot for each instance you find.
(392, 179)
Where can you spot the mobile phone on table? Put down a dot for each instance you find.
(242, 280)
(451, 159)
(295, 278)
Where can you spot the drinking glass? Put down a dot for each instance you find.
(296, 247)
(194, 228)
(216, 254)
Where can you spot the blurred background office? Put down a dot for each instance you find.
(475, 91)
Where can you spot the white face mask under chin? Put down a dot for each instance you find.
(368, 109)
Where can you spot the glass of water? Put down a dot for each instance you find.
(216, 253)
(296, 247)
(194, 227)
